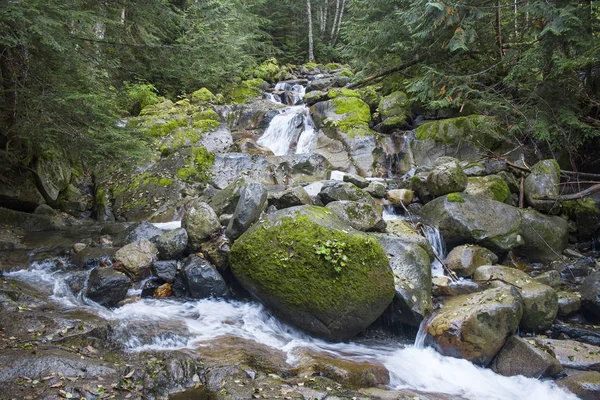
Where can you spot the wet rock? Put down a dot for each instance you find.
(475, 326)
(314, 271)
(31, 222)
(405, 231)
(584, 384)
(360, 216)
(543, 182)
(107, 286)
(572, 354)
(172, 244)
(545, 236)
(299, 168)
(76, 281)
(137, 257)
(465, 219)
(165, 270)
(150, 287)
(20, 192)
(490, 187)
(399, 197)
(356, 180)
(336, 191)
(522, 357)
(411, 266)
(218, 141)
(446, 178)
(163, 291)
(568, 303)
(136, 232)
(588, 336)
(202, 280)
(91, 257)
(200, 222)
(464, 260)
(217, 251)
(590, 296)
(54, 176)
(540, 302)
(314, 97)
(574, 271)
(290, 197)
(252, 203)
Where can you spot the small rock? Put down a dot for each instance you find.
(568, 303)
(356, 180)
(464, 260)
(376, 189)
(77, 247)
(399, 197)
(163, 291)
(200, 222)
(590, 296)
(137, 257)
(202, 280)
(217, 250)
(550, 278)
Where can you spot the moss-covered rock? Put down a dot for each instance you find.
(475, 326)
(586, 214)
(360, 216)
(446, 178)
(464, 219)
(540, 302)
(491, 187)
(314, 271)
(246, 90)
(200, 222)
(394, 111)
(543, 182)
(462, 137)
(545, 236)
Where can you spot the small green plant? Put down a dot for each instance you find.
(333, 252)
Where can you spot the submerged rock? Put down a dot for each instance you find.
(315, 272)
(465, 219)
(475, 326)
(107, 286)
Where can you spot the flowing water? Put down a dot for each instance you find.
(169, 325)
(293, 126)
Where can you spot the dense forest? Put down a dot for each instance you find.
(69, 69)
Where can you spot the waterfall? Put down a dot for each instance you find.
(434, 236)
(293, 126)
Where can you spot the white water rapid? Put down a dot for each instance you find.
(293, 126)
(169, 324)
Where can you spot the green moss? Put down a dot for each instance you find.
(455, 198)
(337, 92)
(347, 73)
(310, 65)
(500, 189)
(333, 66)
(357, 115)
(198, 167)
(580, 207)
(479, 130)
(163, 129)
(207, 114)
(269, 70)
(546, 167)
(164, 182)
(101, 197)
(203, 96)
(303, 279)
(246, 90)
(206, 125)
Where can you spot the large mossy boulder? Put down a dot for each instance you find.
(475, 326)
(491, 187)
(411, 266)
(314, 271)
(545, 236)
(394, 111)
(463, 137)
(464, 219)
(543, 182)
(540, 302)
(446, 178)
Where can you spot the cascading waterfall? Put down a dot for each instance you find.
(293, 125)
(151, 324)
(434, 236)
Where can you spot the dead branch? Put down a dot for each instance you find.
(575, 196)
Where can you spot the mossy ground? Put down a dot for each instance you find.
(283, 259)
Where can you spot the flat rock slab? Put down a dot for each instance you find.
(573, 354)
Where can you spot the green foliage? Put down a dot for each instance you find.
(138, 96)
(332, 251)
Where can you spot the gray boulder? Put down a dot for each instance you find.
(136, 232)
(475, 326)
(540, 302)
(91, 257)
(137, 257)
(200, 222)
(360, 216)
(446, 178)
(543, 182)
(411, 266)
(465, 219)
(336, 191)
(545, 236)
(252, 203)
(290, 197)
(107, 286)
(522, 357)
(225, 201)
(172, 244)
(165, 270)
(590, 296)
(229, 167)
(464, 260)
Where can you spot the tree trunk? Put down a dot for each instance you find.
(499, 29)
(311, 54)
(339, 23)
(335, 19)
